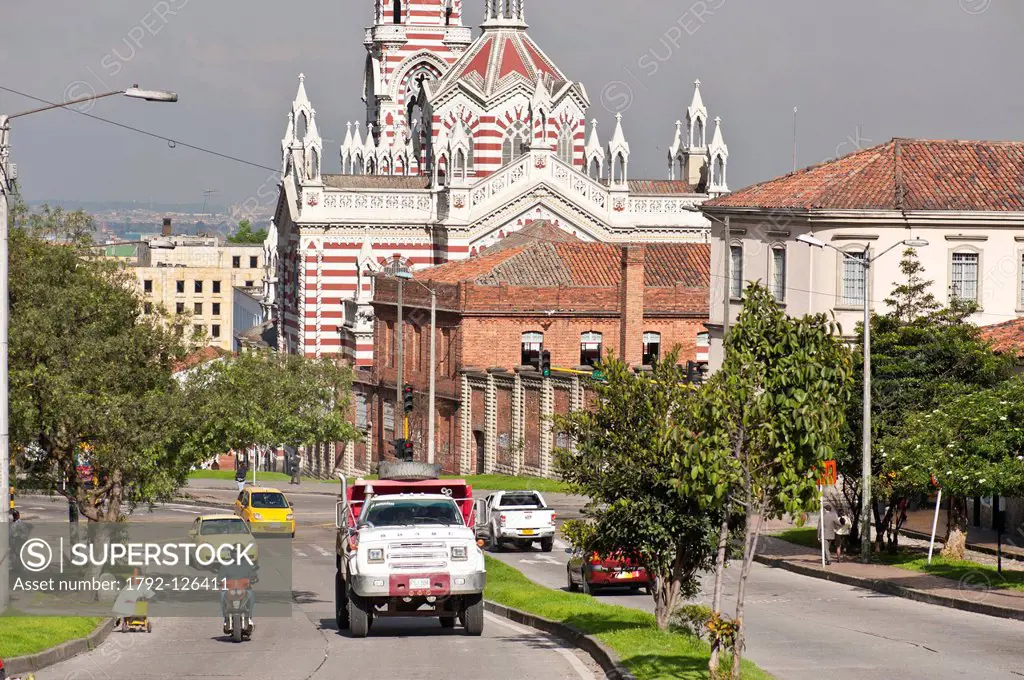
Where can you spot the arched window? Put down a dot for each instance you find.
(398, 11)
(357, 164)
(595, 169)
(516, 142)
(681, 168)
(533, 345)
(301, 125)
(590, 348)
(718, 174)
(619, 174)
(652, 348)
(778, 273)
(698, 133)
(315, 162)
(565, 150)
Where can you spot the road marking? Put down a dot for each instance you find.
(567, 652)
(323, 551)
(299, 553)
(541, 559)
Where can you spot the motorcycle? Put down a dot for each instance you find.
(238, 615)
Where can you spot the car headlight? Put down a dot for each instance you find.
(460, 552)
(257, 516)
(290, 516)
(375, 555)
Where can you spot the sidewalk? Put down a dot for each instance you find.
(972, 593)
(919, 525)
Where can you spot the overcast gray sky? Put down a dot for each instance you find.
(915, 68)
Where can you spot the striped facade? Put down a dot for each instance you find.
(495, 140)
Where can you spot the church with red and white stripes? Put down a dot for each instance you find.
(465, 141)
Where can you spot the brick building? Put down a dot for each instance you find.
(539, 289)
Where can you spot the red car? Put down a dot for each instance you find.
(593, 572)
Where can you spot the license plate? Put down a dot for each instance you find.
(529, 515)
(419, 584)
(528, 532)
(627, 575)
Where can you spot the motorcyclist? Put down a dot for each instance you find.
(235, 567)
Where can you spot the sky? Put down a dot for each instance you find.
(860, 73)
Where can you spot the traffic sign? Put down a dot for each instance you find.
(830, 475)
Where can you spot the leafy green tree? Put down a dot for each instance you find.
(921, 354)
(621, 460)
(971, 444)
(245, 234)
(263, 399)
(90, 374)
(762, 427)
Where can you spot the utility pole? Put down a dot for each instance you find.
(433, 374)
(728, 283)
(399, 347)
(5, 457)
(794, 138)
(865, 511)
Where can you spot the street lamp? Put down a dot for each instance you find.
(405, 275)
(133, 92)
(864, 261)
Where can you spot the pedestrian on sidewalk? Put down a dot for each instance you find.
(842, 531)
(296, 462)
(241, 472)
(827, 530)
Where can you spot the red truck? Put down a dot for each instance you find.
(408, 549)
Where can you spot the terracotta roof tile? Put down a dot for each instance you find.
(374, 182)
(1006, 337)
(660, 187)
(926, 175)
(200, 356)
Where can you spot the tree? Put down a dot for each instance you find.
(921, 354)
(90, 373)
(762, 427)
(621, 460)
(245, 234)
(971, 445)
(263, 399)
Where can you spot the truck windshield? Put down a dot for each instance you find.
(411, 513)
(515, 500)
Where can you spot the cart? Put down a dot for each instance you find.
(139, 621)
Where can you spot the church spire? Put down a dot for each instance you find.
(505, 13)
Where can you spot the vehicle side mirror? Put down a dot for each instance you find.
(568, 551)
(340, 510)
(193, 533)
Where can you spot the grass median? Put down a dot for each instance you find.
(916, 560)
(22, 635)
(649, 653)
(485, 482)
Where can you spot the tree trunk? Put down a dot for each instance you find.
(749, 549)
(956, 533)
(666, 600)
(716, 600)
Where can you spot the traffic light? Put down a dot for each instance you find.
(406, 452)
(407, 393)
(545, 363)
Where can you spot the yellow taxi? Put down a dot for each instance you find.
(267, 511)
(218, 530)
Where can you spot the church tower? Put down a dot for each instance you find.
(410, 42)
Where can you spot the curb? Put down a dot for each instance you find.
(973, 547)
(50, 657)
(605, 657)
(888, 588)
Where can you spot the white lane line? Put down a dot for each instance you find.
(320, 549)
(299, 553)
(574, 661)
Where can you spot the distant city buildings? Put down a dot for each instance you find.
(199, 277)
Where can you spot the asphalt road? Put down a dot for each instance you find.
(308, 645)
(799, 628)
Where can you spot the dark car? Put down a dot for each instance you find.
(593, 572)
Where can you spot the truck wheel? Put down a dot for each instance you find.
(473, 615)
(340, 602)
(405, 471)
(493, 543)
(358, 618)
(547, 544)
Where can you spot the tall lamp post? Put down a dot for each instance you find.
(6, 187)
(405, 275)
(865, 261)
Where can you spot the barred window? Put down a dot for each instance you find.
(779, 274)
(965, 276)
(854, 279)
(735, 271)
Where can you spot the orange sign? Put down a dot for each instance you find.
(830, 476)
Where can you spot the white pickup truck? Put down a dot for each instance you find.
(519, 517)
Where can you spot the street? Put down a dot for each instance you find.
(798, 628)
(308, 644)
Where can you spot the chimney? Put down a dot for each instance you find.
(631, 305)
(168, 230)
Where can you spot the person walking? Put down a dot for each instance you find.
(296, 465)
(842, 531)
(827, 530)
(241, 472)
